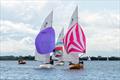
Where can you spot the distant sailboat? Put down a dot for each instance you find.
(58, 53)
(21, 61)
(89, 59)
(45, 42)
(75, 41)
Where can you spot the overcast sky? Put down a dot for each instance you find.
(20, 22)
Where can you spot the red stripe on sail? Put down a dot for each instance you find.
(77, 48)
(77, 35)
(66, 37)
(73, 50)
(58, 55)
(71, 37)
(84, 39)
(73, 43)
(59, 48)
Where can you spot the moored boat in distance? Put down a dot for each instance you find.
(89, 59)
(21, 61)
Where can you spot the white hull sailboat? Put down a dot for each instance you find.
(45, 43)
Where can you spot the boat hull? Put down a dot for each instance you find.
(22, 63)
(60, 64)
(76, 66)
(46, 66)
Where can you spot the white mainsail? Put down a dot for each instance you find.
(48, 21)
(74, 17)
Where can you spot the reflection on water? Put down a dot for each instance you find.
(94, 70)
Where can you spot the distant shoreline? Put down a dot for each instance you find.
(32, 58)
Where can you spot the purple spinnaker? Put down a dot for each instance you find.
(45, 41)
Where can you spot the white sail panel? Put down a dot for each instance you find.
(39, 57)
(47, 22)
(61, 35)
(74, 17)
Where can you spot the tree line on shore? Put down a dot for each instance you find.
(92, 58)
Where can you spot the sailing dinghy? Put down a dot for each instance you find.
(45, 42)
(58, 53)
(75, 42)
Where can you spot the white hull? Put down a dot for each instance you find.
(60, 64)
(46, 66)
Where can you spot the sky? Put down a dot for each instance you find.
(20, 22)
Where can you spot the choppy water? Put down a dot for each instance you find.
(94, 70)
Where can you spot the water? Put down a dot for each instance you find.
(94, 70)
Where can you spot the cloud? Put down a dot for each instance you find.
(13, 4)
(16, 37)
(10, 4)
(24, 10)
(104, 41)
(102, 31)
(9, 26)
(15, 45)
(101, 19)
